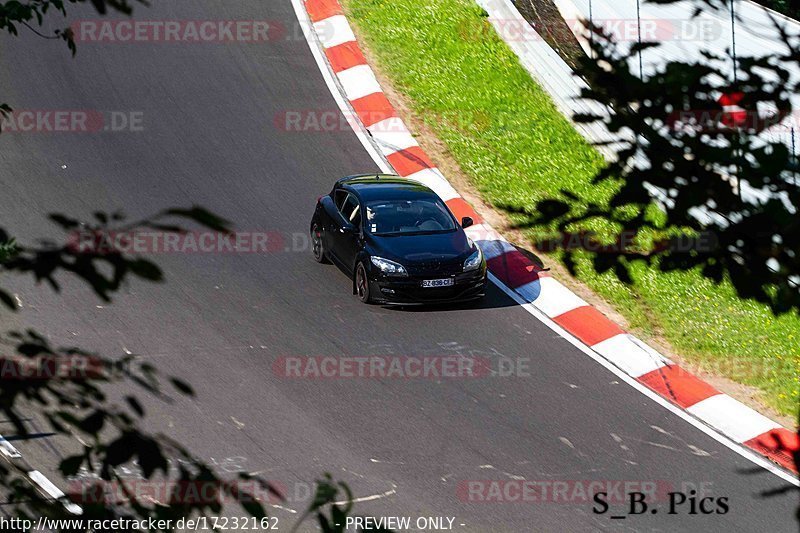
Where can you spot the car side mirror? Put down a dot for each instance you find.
(467, 222)
(348, 228)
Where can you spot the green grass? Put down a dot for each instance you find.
(515, 146)
(782, 6)
(7, 250)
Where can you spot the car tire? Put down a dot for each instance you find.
(317, 248)
(362, 284)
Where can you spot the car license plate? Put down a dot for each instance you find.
(448, 282)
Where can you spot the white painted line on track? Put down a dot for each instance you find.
(334, 31)
(392, 135)
(333, 88)
(434, 180)
(631, 356)
(51, 490)
(15, 459)
(358, 81)
(8, 449)
(732, 417)
(559, 300)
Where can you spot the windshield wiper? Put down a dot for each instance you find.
(420, 232)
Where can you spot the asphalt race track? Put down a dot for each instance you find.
(209, 137)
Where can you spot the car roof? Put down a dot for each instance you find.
(386, 187)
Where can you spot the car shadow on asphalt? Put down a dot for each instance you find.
(495, 297)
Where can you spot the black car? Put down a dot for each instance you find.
(398, 242)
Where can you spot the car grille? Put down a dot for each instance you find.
(435, 268)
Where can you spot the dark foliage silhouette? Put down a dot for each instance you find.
(688, 167)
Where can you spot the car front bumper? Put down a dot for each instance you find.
(409, 290)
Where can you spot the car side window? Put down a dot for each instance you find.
(339, 197)
(351, 210)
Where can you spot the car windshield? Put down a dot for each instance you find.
(402, 217)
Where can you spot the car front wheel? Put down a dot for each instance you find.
(362, 284)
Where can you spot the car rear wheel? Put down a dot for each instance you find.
(362, 284)
(317, 247)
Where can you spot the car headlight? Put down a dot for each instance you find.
(473, 261)
(389, 267)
